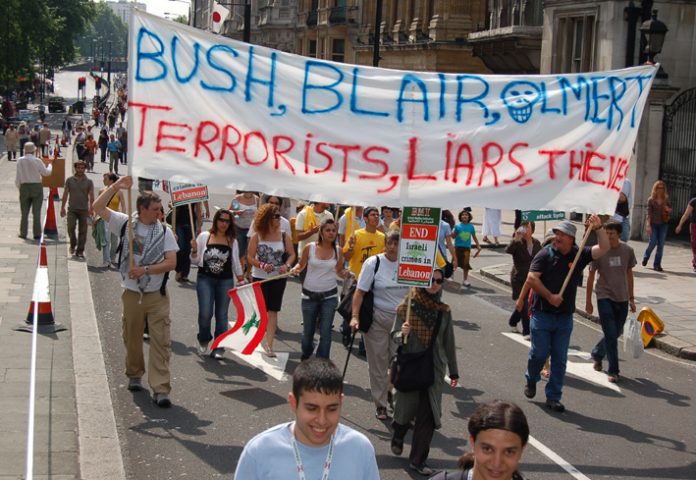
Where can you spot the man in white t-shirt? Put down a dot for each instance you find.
(307, 225)
(144, 296)
(315, 445)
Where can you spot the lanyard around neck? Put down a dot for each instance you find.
(298, 458)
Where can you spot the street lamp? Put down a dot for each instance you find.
(378, 31)
(655, 32)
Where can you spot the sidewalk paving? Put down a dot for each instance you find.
(669, 293)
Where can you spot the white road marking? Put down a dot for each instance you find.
(582, 370)
(274, 367)
(557, 459)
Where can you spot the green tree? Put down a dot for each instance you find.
(105, 26)
(182, 19)
(38, 34)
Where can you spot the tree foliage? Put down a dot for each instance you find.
(105, 27)
(39, 33)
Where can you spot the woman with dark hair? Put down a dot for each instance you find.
(216, 253)
(270, 254)
(656, 223)
(523, 248)
(323, 261)
(498, 434)
(428, 325)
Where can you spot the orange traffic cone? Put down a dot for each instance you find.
(41, 300)
(50, 227)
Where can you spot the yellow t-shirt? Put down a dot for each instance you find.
(366, 245)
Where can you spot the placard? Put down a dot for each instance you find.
(420, 227)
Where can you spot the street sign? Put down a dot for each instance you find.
(419, 231)
(541, 215)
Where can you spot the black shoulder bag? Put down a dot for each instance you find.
(345, 306)
(415, 371)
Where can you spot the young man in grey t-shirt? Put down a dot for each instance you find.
(614, 291)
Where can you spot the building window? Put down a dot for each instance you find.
(575, 38)
(338, 51)
(312, 49)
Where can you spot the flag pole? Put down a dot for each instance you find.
(131, 261)
(575, 261)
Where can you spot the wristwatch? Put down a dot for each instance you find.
(147, 270)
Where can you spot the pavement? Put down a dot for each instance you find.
(75, 430)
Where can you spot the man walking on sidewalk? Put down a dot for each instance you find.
(80, 190)
(44, 139)
(144, 296)
(614, 298)
(552, 314)
(28, 180)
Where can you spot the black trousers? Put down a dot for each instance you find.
(423, 430)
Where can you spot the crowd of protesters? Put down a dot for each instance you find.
(254, 240)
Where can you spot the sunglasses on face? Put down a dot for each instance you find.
(276, 216)
(224, 220)
(439, 281)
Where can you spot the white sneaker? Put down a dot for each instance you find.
(202, 348)
(466, 283)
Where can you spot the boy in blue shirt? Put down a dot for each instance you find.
(464, 231)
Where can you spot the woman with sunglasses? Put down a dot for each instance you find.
(323, 261)
(656, 223)
(216, 253)
(270, 254)
(429, 323)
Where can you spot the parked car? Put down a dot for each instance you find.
(56, 104)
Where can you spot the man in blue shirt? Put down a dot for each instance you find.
(315, 445)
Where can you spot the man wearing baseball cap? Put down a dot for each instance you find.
(552, 313)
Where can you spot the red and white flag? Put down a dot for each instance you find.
(218, 17)
(248, 331)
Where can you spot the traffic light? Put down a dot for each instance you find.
(97, 82)
(81, 82)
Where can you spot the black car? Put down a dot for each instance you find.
(56, 104)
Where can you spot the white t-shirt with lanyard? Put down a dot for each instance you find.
(349, 456)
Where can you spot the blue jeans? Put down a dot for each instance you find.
(625, 229)
(612, 316)
(319, 312)
(657, 238)
(550, 336)
(212, 296)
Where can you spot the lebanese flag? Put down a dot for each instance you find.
(218, 17)
(248, 331)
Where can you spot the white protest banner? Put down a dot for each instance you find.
(207, 109)
(184, 193)
(418, 246)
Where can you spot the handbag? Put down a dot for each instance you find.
(633, 338)
(415, 371)
(665, 214)
(345, 306)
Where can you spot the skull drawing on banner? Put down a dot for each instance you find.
(520, 97)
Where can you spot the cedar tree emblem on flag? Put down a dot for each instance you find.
(250, 327)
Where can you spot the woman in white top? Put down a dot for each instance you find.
(387, 296)
(217, 255)
(323, 261)
(270, 254)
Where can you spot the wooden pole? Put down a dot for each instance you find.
(408, 310)
(131, 260)
(193, 228)
(575, 261)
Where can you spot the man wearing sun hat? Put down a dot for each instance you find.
(552, 313)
